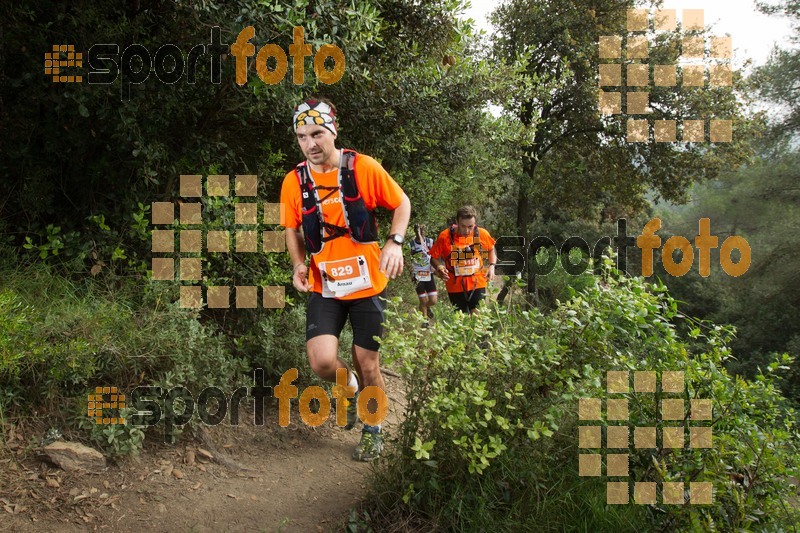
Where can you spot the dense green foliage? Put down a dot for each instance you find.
(81, 154)
(758, 202)
(490, 437)
(777, 80)
(572, 158)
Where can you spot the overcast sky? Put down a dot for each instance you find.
(753, 33)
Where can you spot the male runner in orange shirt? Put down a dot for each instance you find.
(459, 254)
(348, 270)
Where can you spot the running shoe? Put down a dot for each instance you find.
(370, 446)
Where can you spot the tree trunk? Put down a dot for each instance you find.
(524, 215)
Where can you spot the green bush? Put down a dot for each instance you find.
(116, 439)
(276, 341)
(59, 339)
(490, 441)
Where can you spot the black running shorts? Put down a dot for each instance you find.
(327, 316)
(466, 301)
(424, 288)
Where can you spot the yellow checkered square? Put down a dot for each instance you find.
(617, 381)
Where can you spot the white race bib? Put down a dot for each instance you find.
(466, 267)
(422, 275)
(343, 277)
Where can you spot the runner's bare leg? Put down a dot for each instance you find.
(368, 367)
(323, 356)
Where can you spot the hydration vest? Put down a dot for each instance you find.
(360, 223)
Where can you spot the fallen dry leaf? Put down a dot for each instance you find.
(204, 454)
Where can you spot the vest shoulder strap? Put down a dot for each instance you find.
(476, 236)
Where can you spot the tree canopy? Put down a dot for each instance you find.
(577, 162)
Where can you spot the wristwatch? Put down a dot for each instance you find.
(396, 238)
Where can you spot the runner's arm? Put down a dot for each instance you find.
(297, 252)
(492, 263)
(440, 268)
(391, 262)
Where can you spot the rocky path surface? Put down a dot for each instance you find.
(297, 478)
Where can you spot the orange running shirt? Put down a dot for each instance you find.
(441, 250)
(377, 188)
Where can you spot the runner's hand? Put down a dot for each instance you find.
(491, 274)
(300, 278)
(391, 262)
(442, 273)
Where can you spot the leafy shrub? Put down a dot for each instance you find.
(490, 441)
(276, 341)
(59, 338)
(37, 362)
(117, 440)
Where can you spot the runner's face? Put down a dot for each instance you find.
(466, 226)
(317, 144)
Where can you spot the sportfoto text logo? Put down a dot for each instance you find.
(150, 405)
(512, 254)
(169, 64)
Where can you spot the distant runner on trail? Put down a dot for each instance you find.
(332, 195)
(422, 271)
(459, 256)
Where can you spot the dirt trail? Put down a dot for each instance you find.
(297, 479)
